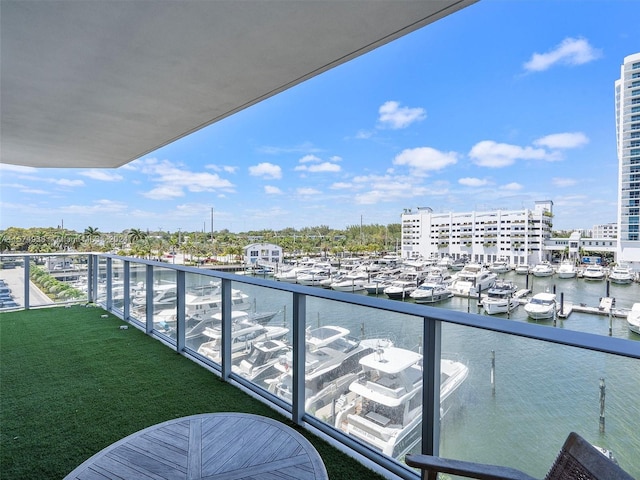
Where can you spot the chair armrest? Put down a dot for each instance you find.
(465, 469)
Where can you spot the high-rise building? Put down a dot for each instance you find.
(627, 99)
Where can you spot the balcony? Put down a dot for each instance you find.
(533, 365)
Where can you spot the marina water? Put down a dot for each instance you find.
(541, 391)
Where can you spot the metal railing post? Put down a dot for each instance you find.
(92, 280)
(180, 313)
(126, 274)
(225, 348)
(109, 280)
(27, 280)
(432, 334)
(149, 299)
(298, 390)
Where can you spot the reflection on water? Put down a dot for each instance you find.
(541, 391)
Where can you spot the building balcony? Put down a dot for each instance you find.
(88, 345)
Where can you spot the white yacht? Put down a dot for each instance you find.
(471, 279)
(522, 269)
(259, 364)
(243, 334)
(594, 272)
(500, 266)
(633, 318)
(314, 277)
(431, 292)
(567, 269)
(331, 364)
(543, 269)
(384, 405)
(351, 282)
(541, 306)
(621, 274)
(500, 298)
(400, 289)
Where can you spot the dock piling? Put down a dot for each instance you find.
(561, 303)
(493, 372)
(602, 396)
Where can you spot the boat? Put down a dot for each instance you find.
(500, 266)
(621, 274)
(633, 318)
(259, 364)
(567, 269)
(594, 273)
(351, 282)
(384, 406)
(500, 298)
(522, 269)
(543, 269)
(541, 306)
(472, 279)
(314, 277)
(331, 363)
(243, 334)
(431, 292)
(458, 264)
(400, 289)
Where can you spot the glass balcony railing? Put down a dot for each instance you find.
(383, 378)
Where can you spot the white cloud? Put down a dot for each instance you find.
(309, 158)
(563, 140)
(319, 168)
(266, 170)
(563, 182)
(488, 153)
(102, 175)
(222, 168)
(364, 134)
(99, 207)
(393, 116)
(271, 190)
(65, 182)
(164, 192)
(473, 182)
(341, 186)
(335, 158)
(307, 191)
(512, 187)
(423, 159)
(571, 51)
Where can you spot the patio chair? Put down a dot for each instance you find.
(577, 460)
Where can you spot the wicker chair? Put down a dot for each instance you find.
(577, 460)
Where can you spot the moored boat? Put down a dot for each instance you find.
(543, 269)
(633, 318)
(594, 272)
(384, 407)
(500, 298)
(430, 292)
(621, 274)
(567, 269)
(541, 306)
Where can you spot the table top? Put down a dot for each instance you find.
(208, 446)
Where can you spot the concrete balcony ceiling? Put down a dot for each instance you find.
(101, 83)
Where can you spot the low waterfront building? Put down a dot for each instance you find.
(483, 236)
(262, 253)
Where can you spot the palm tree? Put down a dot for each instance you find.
(90, 233)
(136, 234)
(5, 243)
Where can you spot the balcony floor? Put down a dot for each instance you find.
(73, 382)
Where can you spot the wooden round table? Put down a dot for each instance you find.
(215, 446)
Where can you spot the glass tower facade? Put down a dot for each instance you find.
(627, 98)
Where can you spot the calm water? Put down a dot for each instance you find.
(542, 391)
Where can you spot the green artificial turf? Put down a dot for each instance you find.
(72, 383)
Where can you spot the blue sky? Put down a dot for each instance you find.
(496, 106)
